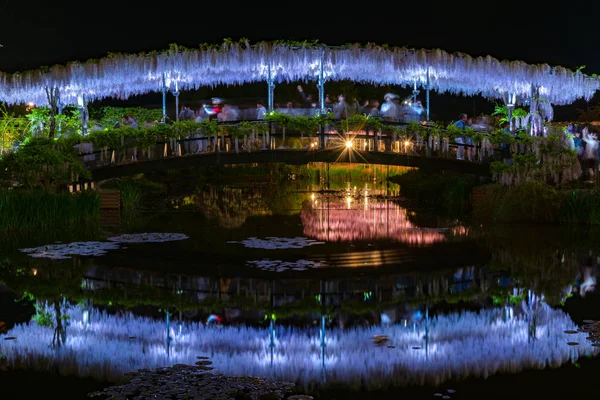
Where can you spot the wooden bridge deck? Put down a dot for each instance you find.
(292, 157)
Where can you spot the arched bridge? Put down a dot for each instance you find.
(188, 153)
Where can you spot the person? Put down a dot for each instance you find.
(132, 122)
(390, 110)
(341, 109)
(261, 111)
(590, 155)
(307, 98)
(186, 114)
(461, 123)
(214, 110)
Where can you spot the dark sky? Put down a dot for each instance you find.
(57, 32)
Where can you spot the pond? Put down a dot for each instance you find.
(323, 276)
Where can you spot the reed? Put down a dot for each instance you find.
(581, 207)
(38, 209)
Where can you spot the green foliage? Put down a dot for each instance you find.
(450, 193)
(22, 210)
(134, 189)
(501, 111)
(581, 207)
(110, 117)
(13, 130)
(67, 123)
(532, 202)
(40, 162)
(43, 317)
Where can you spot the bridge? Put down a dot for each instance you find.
(187, 153)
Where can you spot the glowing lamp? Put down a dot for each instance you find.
(31, 104)
(349, 144)
(407, 143)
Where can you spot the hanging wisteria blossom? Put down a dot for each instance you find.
(122, 76)
(148, 237)
(281, 266)
(276, 243)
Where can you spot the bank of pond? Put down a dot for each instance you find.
(463, 196)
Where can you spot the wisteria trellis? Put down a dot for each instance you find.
(122, 76)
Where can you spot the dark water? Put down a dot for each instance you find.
(340, 286)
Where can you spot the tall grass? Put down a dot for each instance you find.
(38, 209)
(529, 202)
(448, 193)
(581, 207)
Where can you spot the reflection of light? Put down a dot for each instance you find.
(349, 143)
(34, 271)
(469, 344)
(344, 221)
(312, 197)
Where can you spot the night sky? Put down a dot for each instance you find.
(36, 35)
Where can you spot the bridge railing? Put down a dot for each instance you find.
(272, 137)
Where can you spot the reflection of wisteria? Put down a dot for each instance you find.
(458, 346)
(280, 266)
(341, 221)
(276, 243)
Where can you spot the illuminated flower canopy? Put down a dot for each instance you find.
(122, 76)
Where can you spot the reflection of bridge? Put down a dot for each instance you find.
(182, 154)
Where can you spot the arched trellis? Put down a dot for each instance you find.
(122, 76)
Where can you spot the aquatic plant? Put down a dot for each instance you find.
(274, 243)
(581, 207)
(280, 266)
(94, 249)
(23, 210)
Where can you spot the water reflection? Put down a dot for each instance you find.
(492, 306)
(330, 219)
(394, 330)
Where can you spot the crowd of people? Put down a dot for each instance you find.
(585, 143)
(392, 109)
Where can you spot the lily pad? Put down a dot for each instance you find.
(277, 243)
(280, 266)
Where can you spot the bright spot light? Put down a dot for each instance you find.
(31, 104)
(349, 143)
(407, 143)
(312, 196)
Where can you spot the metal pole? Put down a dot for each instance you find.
(415, 92)
(271, 89)
(321, 84)
(164, 99)
(176, 93)
(427, 97)
(322, 332)
(322, 111)
(84, 115)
